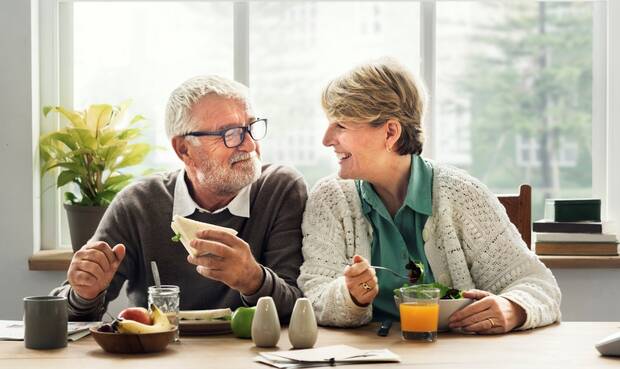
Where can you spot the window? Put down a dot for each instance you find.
(143, 56)
(514, 89)
(148, 54)
(500, 74)
(296, 47)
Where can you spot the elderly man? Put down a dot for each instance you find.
(214, 131)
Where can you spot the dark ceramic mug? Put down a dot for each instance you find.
(45, 322)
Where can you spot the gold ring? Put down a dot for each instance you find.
(492, 323)
(366, 286)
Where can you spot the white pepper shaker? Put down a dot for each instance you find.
(303, 330)
(265, 325)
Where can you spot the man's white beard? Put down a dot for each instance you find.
(226, 180)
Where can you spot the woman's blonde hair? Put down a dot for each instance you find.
(376, 92)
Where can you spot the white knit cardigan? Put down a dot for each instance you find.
(468, 240)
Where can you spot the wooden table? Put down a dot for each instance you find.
(566, 345)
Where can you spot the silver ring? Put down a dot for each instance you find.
(366, 286)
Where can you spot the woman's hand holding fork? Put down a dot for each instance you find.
(361, 281)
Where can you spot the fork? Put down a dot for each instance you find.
(389, 270)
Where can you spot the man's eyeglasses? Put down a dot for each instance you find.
(234, 136)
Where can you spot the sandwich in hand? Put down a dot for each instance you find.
(186, 230)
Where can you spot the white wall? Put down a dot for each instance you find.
(588, 294)
(613, 103)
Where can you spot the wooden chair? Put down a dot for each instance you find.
(519, 210)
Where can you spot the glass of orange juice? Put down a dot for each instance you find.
(419, 313)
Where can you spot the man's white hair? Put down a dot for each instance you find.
(183, 98)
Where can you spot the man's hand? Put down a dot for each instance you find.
(93, 267)
(361, 281)
(228, 259)
(491, 314)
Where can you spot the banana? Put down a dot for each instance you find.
(160, 324)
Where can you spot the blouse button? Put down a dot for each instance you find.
(425, 234)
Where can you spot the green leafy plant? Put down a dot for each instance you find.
(91, 151)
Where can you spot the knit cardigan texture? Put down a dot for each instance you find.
(468, 240)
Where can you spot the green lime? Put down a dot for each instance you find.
(241, 322)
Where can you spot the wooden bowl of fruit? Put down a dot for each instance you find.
(135, 331)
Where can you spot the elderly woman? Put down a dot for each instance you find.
(389, 205)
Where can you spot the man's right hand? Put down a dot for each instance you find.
(93, 267)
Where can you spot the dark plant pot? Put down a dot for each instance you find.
(83, 222)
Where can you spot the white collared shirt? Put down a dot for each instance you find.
(183, 204)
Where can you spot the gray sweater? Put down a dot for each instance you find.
(140, 216)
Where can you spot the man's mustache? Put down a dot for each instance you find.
(242, 156)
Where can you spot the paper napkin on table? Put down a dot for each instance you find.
(13, 330)
(324, 356)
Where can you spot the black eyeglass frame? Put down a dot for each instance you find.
(222, 133)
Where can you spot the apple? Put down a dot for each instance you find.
(241, 321)
(139, 314)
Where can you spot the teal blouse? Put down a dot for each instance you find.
(397, 239)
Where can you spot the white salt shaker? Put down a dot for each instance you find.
(265, 325)
(303, 330)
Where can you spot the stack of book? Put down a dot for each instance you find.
(583, 238)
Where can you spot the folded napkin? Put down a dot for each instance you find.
(325, 356)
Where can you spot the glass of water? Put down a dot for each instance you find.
(166, 298)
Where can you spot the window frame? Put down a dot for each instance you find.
(55, 48)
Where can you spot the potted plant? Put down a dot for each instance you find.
(90, 151)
